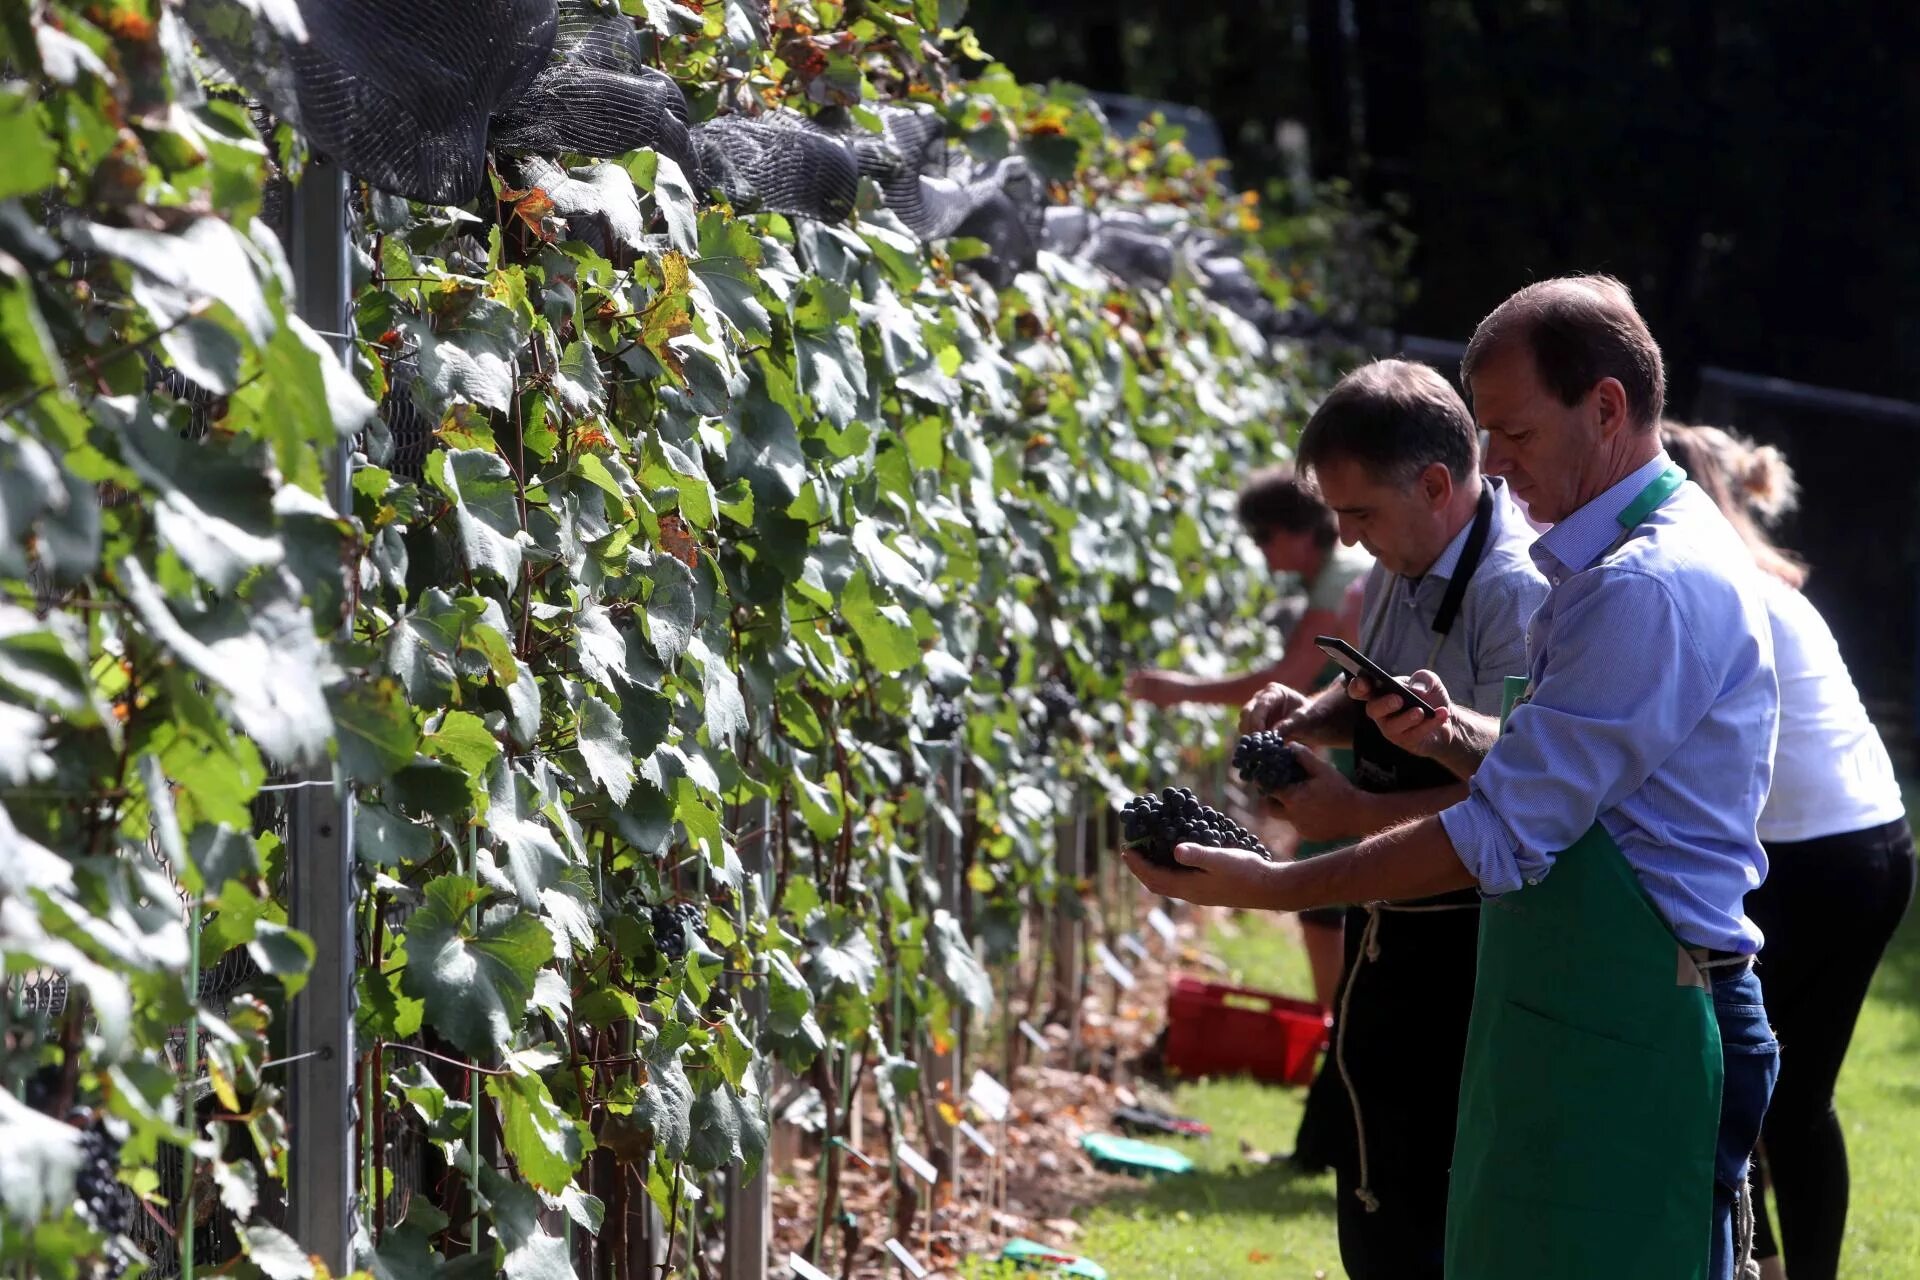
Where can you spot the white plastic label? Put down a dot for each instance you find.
(907, 1156)
(1034, 1038)
(990, 1096)
(1111, 963)
(907, 1261)
(1162, 924)
(976, 1137)
(804, 1270)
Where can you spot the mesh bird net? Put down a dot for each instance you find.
(411, 95)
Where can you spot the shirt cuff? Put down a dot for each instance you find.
(1483, 844)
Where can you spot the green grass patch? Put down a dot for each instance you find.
(1234, 1220)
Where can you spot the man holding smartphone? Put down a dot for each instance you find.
(1619, 1060)
(1394, 452)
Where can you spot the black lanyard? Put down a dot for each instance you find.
(1469, 561)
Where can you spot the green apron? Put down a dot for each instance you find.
(1590, 1101)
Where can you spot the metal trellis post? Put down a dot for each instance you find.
(321, 1116)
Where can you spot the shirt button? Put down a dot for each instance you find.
(1533, 879)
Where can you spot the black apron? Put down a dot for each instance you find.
(1390, 1087)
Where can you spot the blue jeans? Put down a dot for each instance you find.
(1752, 1058)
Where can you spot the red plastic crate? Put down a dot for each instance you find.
(1215, 1029)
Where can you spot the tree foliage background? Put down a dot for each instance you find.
(1742, 165)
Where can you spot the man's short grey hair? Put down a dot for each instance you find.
(1395, 418)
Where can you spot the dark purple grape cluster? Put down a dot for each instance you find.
(104, 1202)
(1267, 762)
(946, 720)
(1155, 824)
(1056, 702)
(671, 920)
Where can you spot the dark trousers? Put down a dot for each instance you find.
(1828, 909)
(1405, 1001)
(1752, 1060)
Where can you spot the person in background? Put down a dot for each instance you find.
(1840, 856)
(1393, 451)
(1296, 534)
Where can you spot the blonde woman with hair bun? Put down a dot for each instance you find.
(1840, 862)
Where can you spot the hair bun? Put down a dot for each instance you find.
(1767, 483)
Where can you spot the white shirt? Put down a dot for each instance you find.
(1831, 773)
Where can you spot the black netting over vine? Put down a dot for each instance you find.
(598, 97)
(780, 163)
(409, 95)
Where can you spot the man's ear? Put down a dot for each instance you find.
(1436, 483)
(1609, 405)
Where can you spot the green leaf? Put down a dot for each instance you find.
(535, 861)
(884, 630)
(277, 1254)
(285, 953)
(666, 1099)
(728, 1127)
(38, 1162)
(176, 274)
(833, 373)
(532, 1252)
(463, 740)
(212, 507)
(956, 966)
(820, 805)
(474, 981)
(470, 360)
(546, 1143)
(720, 694)
(690, 480)
(670, 608)
(33, 159)
(377, 735)
(603, 746)
(486, 508)
(28, 356)
(264, 659)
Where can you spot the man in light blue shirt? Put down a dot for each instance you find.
(1620, 1061)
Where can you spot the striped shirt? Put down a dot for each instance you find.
(1652, 709)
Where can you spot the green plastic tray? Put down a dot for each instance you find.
(1130, 1155)
(1031, 1255)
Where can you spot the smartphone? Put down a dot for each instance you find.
(1356, 663)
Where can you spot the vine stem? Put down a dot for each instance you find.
(193, 1062)
(473, 1073)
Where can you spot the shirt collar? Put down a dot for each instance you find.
(1583, 537)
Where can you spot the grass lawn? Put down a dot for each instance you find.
(1232, 1219)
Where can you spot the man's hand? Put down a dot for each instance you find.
(1269, 707)
(1157, 688)
(1409, 728)
(1325, 806)
(1219, 877)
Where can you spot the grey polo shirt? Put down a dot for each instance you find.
(1488, 641)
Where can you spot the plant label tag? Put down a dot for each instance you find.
(1131, 944)
(1111, 963)
(1162, 924)
(908, 1263)
(990, 1096)
(907, 1156)
(976, 1137)
(804, 1270)
(1034, 1038)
